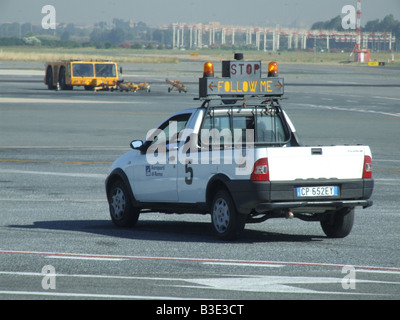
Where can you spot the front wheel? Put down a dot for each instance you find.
(122, 212)
(226, 221)
(339, 224)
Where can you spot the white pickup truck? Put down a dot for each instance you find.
(238, 158)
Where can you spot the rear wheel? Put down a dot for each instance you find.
(122, 212)
(339, 224)
(49, 79)
(226, 221)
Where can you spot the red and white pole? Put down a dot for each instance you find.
(358, 25)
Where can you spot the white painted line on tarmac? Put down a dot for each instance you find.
(379, 271)
(254, 283)
(199, 260)
(275, 284)
(229, 264)
(69, 148)
(19, 72)
(61, 174)
(397, 115)
(90, 295)
(92, 276)
(388, 98)
(86, 258)
(52, 200)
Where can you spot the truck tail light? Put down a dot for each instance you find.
(367, 171)
(260, 171)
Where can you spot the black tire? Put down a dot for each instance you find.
(226, 221)
(339, 224)
(49, 79)
(122, 211)
(62, 82)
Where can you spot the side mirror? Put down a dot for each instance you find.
(136, 144)
(120, 70)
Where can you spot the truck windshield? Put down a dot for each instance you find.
(82, 70)
(105, 70)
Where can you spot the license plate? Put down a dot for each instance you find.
(326, 191)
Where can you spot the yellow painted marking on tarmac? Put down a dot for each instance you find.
(53, 161)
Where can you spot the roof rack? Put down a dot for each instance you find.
(242, 102)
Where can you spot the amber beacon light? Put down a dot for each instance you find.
(208, 70)
(273, 69)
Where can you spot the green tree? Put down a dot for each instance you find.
(388, 23)
(65, 36)
(96, 35)
(115, 36)
(333, 24)
(372, 26)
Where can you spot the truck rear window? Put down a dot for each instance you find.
(257, 125)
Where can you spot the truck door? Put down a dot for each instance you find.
(156, 171)
(198, 162)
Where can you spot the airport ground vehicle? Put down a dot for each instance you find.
(65, 75)
(176, 85)
(130, 86)
(238, 157)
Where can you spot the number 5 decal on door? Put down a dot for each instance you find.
(188, 180)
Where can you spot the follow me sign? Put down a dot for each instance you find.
(241, 78)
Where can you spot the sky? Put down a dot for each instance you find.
(262, 13)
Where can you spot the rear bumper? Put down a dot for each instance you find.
(267, 196)
(264, 207)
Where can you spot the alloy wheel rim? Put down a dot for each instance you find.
(118, 203)
(221, 215)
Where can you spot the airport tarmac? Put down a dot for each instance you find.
(55, 151)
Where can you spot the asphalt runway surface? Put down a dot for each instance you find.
(57, 240)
